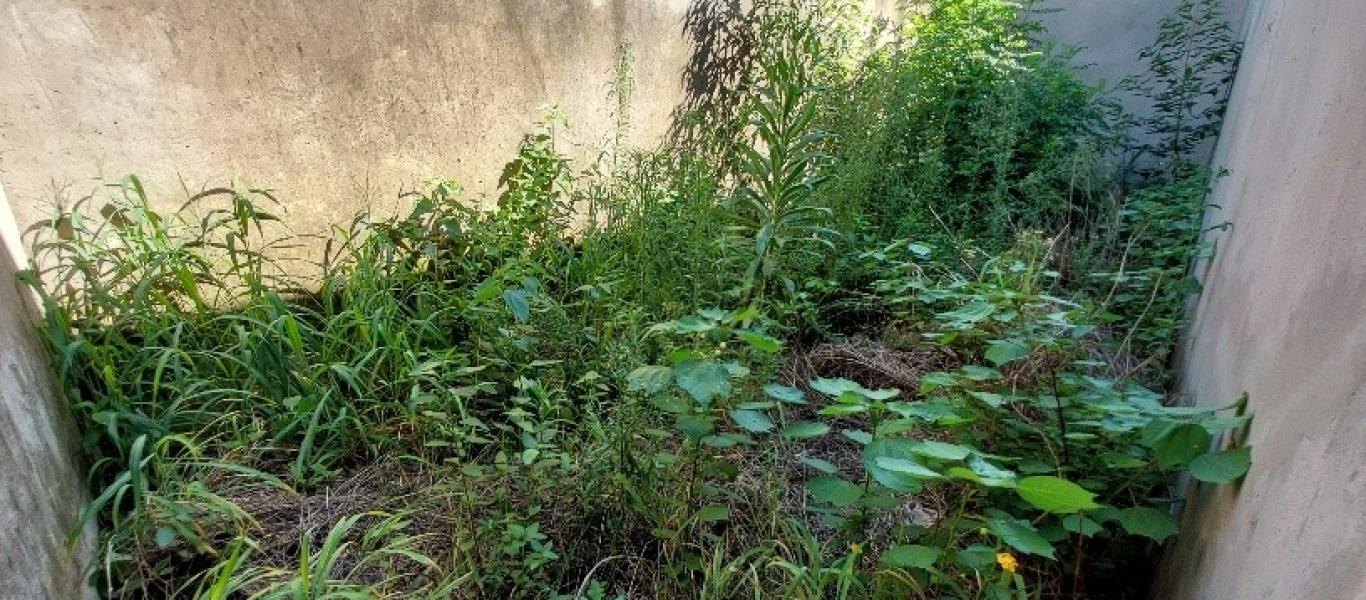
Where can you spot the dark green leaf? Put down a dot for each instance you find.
(1222, 467)
(1180, 445)
(805, 430)
(786, 394)
(1000, 352)
(650, 379)
(1021, 537)
(1147, 522)
(517, 304)
(704, 380)
(833, 490)
(911, 556)
(751, 420)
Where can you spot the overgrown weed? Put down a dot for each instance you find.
(822, 351)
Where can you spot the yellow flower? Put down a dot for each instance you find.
(855, 547)
(1007, 562)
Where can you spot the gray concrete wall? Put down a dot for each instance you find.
(1283, 318)
(332, 103)
(41, 487)
(1110, 34)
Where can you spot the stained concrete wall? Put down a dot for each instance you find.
(41, 488)
(333, 104)
(1283, 317)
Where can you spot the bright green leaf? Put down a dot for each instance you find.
(760, 342)
(1055, 495)
(805, 430)
(713, 512)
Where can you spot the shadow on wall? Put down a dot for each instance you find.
(722, 52)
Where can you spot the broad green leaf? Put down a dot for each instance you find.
(1078, 523)
(489, 289)
(835, 387)
(672, 403)
(760, 342)
(695, 427)
(517, 304)
(993, 400)
(840, 410)
(891, 448)
(1055, 494)
(1147, 522)
(821, 465)
(911, 556)
(977, 557)
(1180, 445)
(833, 490)
(934, 381)
(713, 512)
(970, 313)
(650, 379)
(704, 380)
(859, 436)
(881, 394)
(719, 441)
(715, 314)
(942, 450)
(907, 466)
(784, 393)
(751, 420)
(805, 430)
(1222, 467)
(1000, 352)
(1021, 537)
(691, 324)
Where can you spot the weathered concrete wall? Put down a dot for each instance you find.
(331, 103)
(41, 488)
(1283, 317)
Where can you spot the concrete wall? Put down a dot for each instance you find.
(331, 103)
(1283, 317)
(1111, 33)
(41, 487)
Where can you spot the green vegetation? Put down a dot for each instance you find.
(890, 329)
